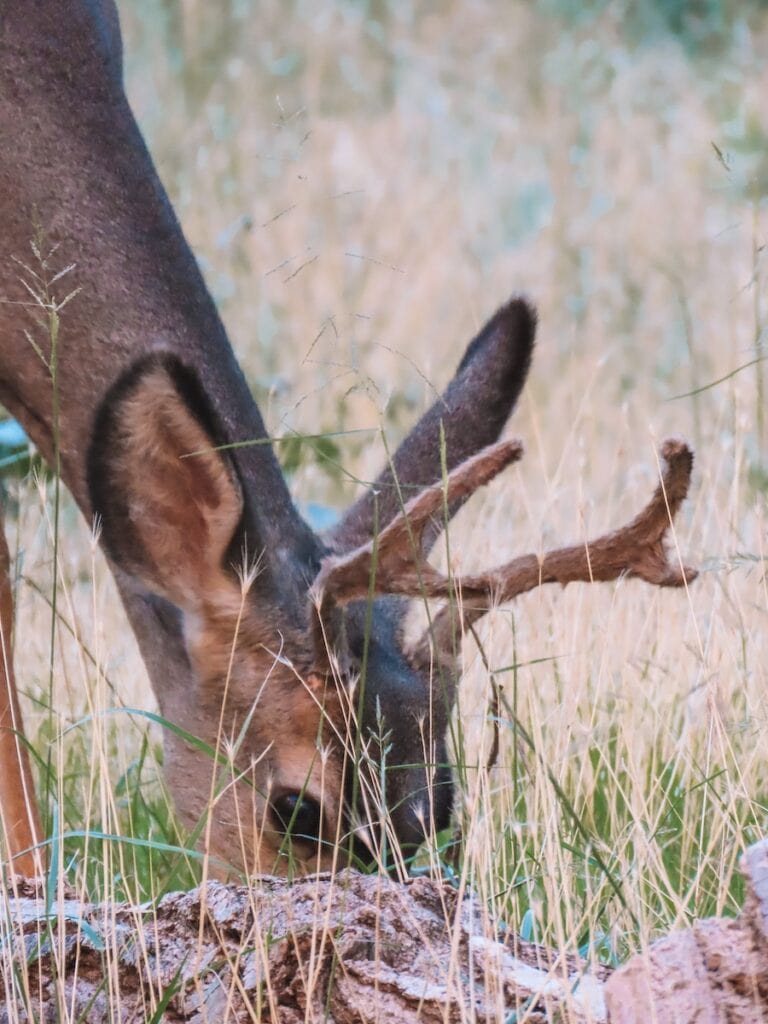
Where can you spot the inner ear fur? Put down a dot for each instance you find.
(168, 502)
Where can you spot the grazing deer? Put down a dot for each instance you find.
(260, 637)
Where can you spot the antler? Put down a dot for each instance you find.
(393, 564)
(637, 549)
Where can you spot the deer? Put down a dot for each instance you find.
(278, 645)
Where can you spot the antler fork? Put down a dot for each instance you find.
(393, 562)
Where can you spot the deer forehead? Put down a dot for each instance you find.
(245, 664)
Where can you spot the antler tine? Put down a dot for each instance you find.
(392, 563)
(670, 492)
(636, 549)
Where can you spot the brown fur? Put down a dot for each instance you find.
(293, 722)
(19, 816)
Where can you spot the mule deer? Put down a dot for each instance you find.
(301, 659)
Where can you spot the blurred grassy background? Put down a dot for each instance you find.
(363, 183)
(387, 172)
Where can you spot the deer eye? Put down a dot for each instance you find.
(298, 816)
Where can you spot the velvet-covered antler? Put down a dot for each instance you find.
(393, 564)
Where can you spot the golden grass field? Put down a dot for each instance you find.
(363, 183)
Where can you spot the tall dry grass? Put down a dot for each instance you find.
(363, 183)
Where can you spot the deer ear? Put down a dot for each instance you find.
(471, 414)
(169, 503)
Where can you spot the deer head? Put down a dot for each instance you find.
(329, 720)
